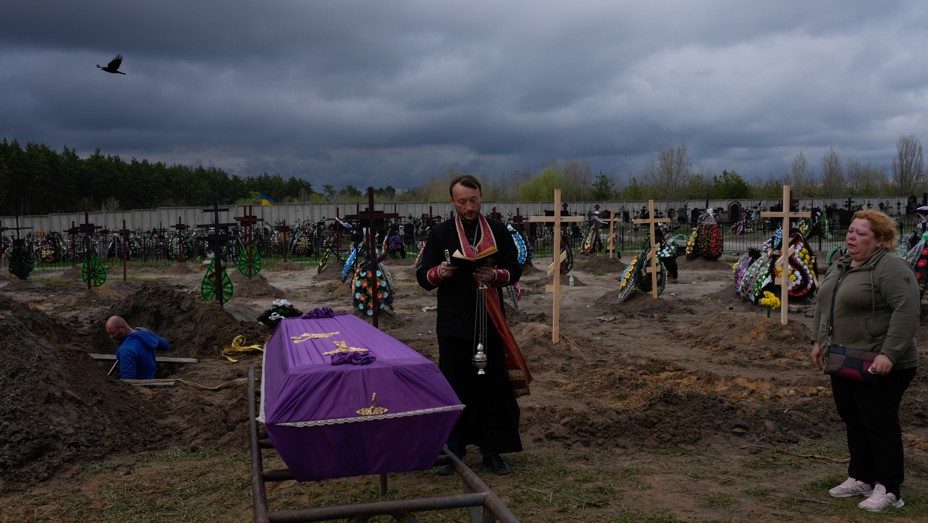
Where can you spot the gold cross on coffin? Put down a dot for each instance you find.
(783, 262)
(343, 347)
(652, 253)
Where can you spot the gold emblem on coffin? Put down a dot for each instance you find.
(310, 336)
(343, 347)
(373, 410)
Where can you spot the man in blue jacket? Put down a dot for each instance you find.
(136, 352)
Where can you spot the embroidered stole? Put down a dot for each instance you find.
(519, 375)
(487, 240)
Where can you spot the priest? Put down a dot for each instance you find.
(469, 259)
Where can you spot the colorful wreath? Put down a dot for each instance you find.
(349, 263)
(520, 244)
(367, 284)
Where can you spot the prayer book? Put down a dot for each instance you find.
(481, 258)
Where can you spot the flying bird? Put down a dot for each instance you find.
(113, 66)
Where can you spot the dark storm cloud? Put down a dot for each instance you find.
(396, 92)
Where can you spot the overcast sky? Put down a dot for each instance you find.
(388, 92)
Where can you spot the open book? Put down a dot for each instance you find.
(484, 257)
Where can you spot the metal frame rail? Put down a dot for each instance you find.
(483, 505)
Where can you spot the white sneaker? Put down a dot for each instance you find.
(851, 487)
(880, 500)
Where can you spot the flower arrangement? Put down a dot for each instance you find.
(770, 301)
(394, 246)
(279, 310)
(366, 284)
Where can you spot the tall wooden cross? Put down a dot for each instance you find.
(785, 249)
(611, 221)
(284, 230)
(247, 221)
(180, 227)
(653, 267)
(124, 234)
(87, 229)
(557, 258)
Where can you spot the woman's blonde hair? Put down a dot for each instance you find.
(884, 227)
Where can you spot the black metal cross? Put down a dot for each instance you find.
(217, 238)
(373, 260)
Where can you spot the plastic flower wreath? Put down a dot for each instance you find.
(770, 301)
(279, 310)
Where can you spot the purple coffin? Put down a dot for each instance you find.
(310, 407)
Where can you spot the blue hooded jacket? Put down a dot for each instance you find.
(136, 354)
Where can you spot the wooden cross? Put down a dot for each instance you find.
(611, 221)
(555, 266)
(247, 220)
(652, 251)
(284, 230)
(783, 262)
(180, 227)
(19, 241)
(373, 260)
(87, 229)
(124, 234)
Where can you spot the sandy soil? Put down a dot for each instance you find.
(696, 370)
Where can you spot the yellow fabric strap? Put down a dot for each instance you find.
(239, 346)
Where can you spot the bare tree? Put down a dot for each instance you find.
(908, 168)
(865, 180)
(670, 175)
(580, 178)
(832, 174)
(799, 177)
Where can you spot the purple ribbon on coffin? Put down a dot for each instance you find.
(321, 417)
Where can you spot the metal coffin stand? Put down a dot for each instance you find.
(483, 505)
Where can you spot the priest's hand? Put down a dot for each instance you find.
(446, 269)
(485, 275)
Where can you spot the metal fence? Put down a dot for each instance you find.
(57, 252)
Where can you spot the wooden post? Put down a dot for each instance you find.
(612, 219)
(555, 266)
(652, 251)
(785, 250)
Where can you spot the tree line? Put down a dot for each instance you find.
(38, 180)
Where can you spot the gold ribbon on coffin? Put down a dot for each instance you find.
(311, 336)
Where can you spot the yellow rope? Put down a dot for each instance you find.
(239, 346)
(231, 383)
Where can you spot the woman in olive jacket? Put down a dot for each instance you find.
(876, 307)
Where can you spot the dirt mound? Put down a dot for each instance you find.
(642, 305)
(254, 287)
(72, 273)
(590, 395)
(17, 285)
(183, 268)
(195, 328)
(600, 264)
(702, 264)
(750, 338)
(287, 266)
(59, 406)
